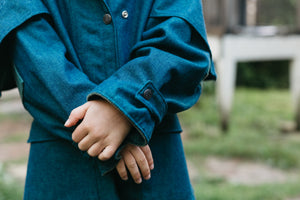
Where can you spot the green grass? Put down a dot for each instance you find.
(254, 129)
(254, 135)
(9, 188)
(209, 190)
(18, 121)
(22, 116)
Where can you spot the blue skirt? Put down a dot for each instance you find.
(58, 171)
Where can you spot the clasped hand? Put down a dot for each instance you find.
(102, 130)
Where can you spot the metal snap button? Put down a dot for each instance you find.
(125, 14)
(107, 19)
(148, 94)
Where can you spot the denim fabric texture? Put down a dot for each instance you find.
(64, 53)
(56, 170)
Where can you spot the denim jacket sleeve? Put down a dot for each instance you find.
(163, 75)
(51, 81)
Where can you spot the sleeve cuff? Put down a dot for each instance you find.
(144, 107)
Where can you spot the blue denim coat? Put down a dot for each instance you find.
(147, 58)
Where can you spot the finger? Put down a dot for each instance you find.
(76, 115)
(121, 168)
(79, 133)
(107, 153)
(85, 143)
(148, 154)
(95, 149)
(132, 167)
(141, 161)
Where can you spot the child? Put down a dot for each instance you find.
(126, 67)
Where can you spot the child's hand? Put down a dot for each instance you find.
(137, 159)
(102, 130)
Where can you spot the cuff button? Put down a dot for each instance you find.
(148, 94)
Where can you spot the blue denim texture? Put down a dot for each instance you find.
(64, 54)
(58, 171)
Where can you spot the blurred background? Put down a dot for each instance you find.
(242, 138)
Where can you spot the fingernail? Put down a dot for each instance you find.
(125, 178)
(152, 167)
(148, 177)
(139, 181)
(67, 123)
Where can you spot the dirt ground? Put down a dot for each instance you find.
(241, 172)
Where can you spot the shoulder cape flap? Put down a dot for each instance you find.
(13, 13)
(189, 10)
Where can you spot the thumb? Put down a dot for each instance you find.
(76, 115)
